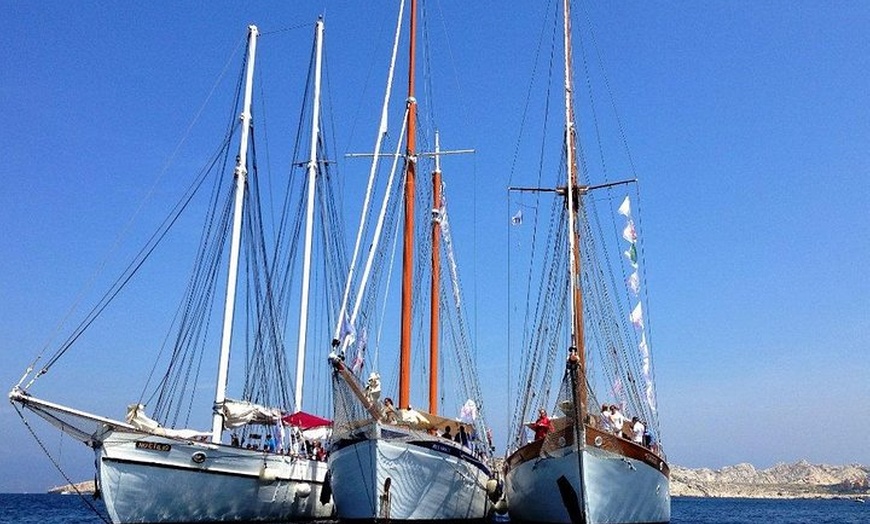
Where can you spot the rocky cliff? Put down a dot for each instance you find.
(79, 487)
(799, 480)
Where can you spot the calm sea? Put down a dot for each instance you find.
(70, 509)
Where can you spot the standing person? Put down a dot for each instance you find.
(541, 426)
(637, 430)
(616, 420)
(461, 436)
(389, 410)
(604, 417)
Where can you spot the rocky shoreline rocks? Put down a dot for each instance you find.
(782, 481)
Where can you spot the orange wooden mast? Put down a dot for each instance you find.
(435, 297)
(408, 250)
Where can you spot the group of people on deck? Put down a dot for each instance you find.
(462, 436)
(613, 421)
(307, 448)
(610, 420)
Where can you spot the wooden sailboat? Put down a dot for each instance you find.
(150, 473)
(579, 469)
(393, 462)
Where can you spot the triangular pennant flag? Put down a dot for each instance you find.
(649, 396)
(629, 233)
(637, 316)
(631, 255)
(625, 207)
(634, 282)
(518, 218)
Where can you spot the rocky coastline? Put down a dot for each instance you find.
(782, 481)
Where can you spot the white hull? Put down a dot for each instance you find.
(151, 482)
(429, 478)
(618, 489)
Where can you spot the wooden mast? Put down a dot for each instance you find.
(573, 194)
(408, 250)
(435, 295)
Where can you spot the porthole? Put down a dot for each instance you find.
(198, 457)
(599, 441)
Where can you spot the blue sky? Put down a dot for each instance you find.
(749, 127)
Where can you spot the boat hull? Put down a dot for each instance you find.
(618, 489)
(147, 478)
(406, 476)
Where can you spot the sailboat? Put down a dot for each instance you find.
(388, 460)
(583, 466)
(253, 465)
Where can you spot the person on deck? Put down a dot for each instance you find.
(542, 426)
(637, 430)
(616, 420)
(604, 419)
(447, 433)
(461, 436)
(389, 410)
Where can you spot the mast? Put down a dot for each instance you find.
(574, 193)
(577, 352)
(309, 216)
(241, 175)
(435, 302)
(408, 250)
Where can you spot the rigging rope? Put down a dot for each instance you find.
(58, 467)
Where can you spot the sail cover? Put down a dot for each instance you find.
(237, 413)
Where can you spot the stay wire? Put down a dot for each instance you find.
(58, 467)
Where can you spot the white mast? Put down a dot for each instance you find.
(382, 133)
(309, 217)
(241, 175)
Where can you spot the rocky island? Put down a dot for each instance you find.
(798, 480)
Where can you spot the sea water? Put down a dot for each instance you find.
(72, 509)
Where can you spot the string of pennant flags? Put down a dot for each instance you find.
(629, 234)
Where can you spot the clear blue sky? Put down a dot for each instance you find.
(749, 124)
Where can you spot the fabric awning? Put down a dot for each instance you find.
(305, 421)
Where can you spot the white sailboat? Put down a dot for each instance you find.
(146, 472)
(392, 462)
(580, 468)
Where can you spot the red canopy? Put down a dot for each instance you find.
(305, 420)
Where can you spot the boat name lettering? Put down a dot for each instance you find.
(153, 446)
(441, 447)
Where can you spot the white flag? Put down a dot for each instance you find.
(625, 208)
(347, 334)
(468, 412)
(634, 282)
(518, 218)
(649, 396)
(629, 233)
(637, 316)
